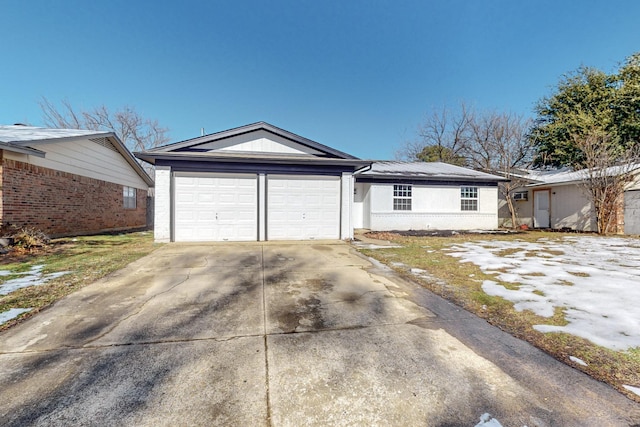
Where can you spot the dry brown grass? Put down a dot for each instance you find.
(87, 258)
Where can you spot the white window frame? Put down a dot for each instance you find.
(469, 199)
(402, 197)
(129, 197)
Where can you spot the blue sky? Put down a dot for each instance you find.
(356, 75)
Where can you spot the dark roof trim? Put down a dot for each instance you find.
(247, 129)
(235, 158)
(414, 181)
(441, 178)
(255, 168)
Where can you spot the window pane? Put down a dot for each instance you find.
(469, 205)
(401, 197)
(129, 197)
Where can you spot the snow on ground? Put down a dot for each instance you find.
(595, 280)
(33, 277)
(5, 316)
(486, 420)
(632, 389)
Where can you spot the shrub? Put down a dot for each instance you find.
(24, 237)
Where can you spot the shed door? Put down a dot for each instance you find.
(541, 209)
(303, 207)
(215, 207)
(632, 212)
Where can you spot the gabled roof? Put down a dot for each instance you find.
(25, 139)
(209, 148)
(434, 171)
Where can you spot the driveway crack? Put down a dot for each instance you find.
(137, 311)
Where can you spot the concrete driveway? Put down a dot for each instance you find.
(283, 335)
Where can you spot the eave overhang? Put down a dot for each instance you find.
(155, 157)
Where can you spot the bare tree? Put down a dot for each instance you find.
(491, 142)
(498, 143)
(441, 137)
(608, 170)
(135, 131)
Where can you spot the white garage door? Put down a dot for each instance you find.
(303, 207)
(213, 208)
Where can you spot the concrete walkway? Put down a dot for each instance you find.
(282, 335)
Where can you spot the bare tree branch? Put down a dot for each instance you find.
(608, 170)
(135, 131)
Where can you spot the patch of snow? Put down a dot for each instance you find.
(578, 361)
(632, 389)
(12, 313)
(417, 271)
(592, 279)
(486, 420)
(33, 277)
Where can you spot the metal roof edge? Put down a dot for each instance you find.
(61, 139)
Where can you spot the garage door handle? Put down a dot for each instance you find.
(216, 215)
(303, 216)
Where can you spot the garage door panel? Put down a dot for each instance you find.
(303, 207)
(215, 208)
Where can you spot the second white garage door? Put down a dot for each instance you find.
(210, 208)
(303, 207)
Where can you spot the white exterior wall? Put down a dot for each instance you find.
(358, 204)
(162, 211)
(570, 208)
(433, 207)
(346, 215)
(84, 158)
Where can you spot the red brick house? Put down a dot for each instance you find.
(70, 181)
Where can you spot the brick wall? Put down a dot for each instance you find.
(61, 203)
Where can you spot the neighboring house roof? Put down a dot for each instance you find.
(434, 171)
(25, 139)
(212, 148)
(565, 176)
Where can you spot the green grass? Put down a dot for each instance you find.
(461, 283)
(87, 258)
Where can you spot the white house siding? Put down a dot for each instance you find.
(433, 207)
(259, 142)
(570, 208)
(347, 200)
(84, 158)
(162, 211)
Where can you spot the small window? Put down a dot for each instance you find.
(521, 195)
(129, 197)
(401, 197)
(469, 198)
